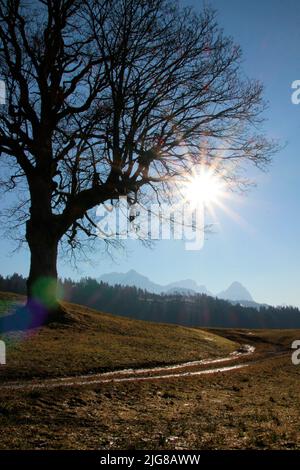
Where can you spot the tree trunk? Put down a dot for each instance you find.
(42, 295)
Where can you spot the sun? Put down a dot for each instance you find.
(211, 188)
(205, 188)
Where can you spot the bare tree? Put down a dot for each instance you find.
(102, 97)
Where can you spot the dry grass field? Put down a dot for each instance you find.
(256, 407)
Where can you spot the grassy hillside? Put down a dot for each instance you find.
(252, 408)
(94, 341)
(255, 408)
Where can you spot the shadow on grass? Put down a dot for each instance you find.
(31, 316)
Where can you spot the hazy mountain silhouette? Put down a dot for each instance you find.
(188, 285)
(133, 278)
(235, 292)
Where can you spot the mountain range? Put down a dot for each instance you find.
(236, 292)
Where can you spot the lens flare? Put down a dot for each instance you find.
(204, 187)
(45, 292)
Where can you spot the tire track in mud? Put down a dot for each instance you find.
(187, 369)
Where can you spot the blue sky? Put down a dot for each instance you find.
(264, 252)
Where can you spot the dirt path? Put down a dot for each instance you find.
(130, 375)
(192, 368)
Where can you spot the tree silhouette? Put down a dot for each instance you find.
(114, 97)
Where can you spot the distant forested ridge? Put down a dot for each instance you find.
(189, 310)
